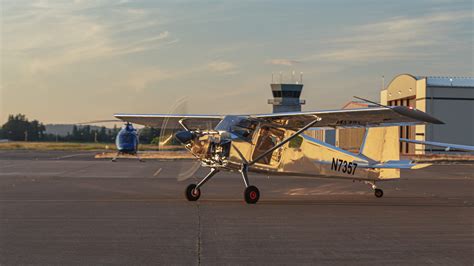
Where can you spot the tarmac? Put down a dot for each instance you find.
(66, 208)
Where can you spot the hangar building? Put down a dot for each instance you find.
(450, 99)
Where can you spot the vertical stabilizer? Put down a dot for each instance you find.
(381, 144)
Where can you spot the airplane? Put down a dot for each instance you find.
(274, 144)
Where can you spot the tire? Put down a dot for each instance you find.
(192, 194)
(251, 195)
(378, 193)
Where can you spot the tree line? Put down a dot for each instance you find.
(19, 128)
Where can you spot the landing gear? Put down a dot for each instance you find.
(377, 191)
(192, 193)
(251, 194)
(140, 159)
(114, 159)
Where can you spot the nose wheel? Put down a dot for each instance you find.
(251, 194)
(192, 192)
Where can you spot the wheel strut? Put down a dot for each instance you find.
(251, 193)
(377, 191)
(193, 192)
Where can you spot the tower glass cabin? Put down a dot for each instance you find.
(286, 97)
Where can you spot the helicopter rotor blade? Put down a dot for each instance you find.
(100, 121)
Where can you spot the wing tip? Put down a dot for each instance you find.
(416, 114)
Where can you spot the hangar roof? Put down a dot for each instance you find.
(448, 81)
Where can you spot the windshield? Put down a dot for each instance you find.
(238, 125)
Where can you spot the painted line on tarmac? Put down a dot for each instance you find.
(3, 167)
(157, 172)
(70, 156)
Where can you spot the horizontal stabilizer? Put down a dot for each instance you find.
(448, 146)
(402, 164)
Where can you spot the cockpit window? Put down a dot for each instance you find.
(238, 125)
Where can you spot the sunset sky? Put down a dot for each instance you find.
(72, 61)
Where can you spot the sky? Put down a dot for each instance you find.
(75, 61)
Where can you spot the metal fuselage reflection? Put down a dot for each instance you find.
(237, 140)
(234, 140)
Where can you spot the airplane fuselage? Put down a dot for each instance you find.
(303, 156)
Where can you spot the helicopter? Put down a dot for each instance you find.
(127, 141)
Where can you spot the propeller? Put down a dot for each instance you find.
(169, 132)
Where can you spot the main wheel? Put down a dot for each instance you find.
(192, 193)
(251, 194)
(378, 192)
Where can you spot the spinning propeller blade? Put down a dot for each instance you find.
(186, 174)
(167, 135)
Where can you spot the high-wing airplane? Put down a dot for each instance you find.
(274, 144)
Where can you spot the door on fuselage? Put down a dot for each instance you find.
(266, 139)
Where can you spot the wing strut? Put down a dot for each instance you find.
(283, 142)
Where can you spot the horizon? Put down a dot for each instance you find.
(65, 63)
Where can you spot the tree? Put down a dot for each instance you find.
(19, 128)
(148, 134)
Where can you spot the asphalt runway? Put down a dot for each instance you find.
(65, 208)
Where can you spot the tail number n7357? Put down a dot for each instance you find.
(340, 165)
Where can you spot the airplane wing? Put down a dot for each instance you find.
(171, 121)
(366, 117)
(448, 146)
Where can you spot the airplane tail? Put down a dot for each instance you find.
(381, 144)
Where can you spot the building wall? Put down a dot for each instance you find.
(455, 107)
(351, 138)
(316, 134)
(402, 91)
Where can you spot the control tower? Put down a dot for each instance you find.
(286, 96)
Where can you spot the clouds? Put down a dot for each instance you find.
(282, 62)
(70, 54)
(399, 37)
(45, 37)
(222, 66)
